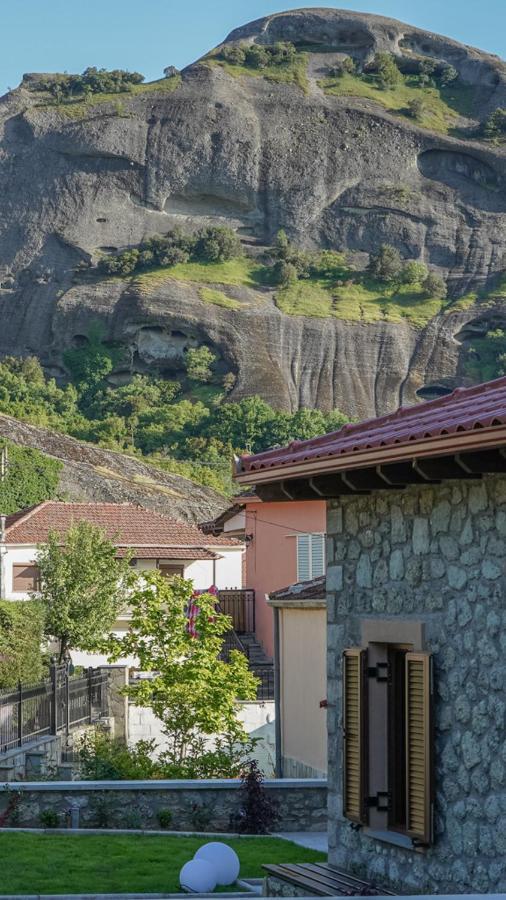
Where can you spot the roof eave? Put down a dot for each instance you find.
(443, 445)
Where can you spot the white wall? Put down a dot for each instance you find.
(257, 718)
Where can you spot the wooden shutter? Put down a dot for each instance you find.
(419, 747)
(25, 577)
(354, 735)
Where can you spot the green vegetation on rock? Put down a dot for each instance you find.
(218, 298)
(31, 477)
(281, 62)
(436, 104)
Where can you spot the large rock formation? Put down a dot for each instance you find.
(259, 155)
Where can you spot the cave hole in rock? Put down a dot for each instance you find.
(433, 391)
(79, 341)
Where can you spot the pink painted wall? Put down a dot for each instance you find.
(271, 554)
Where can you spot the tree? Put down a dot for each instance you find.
(284, 273)
(386, 264)
(448, 75)
(345, 66)
(256, 56)
(426, 71)
(434, 286)
(83, 586)
(21, 632)
(217, 244)
(495, 124)
(193, 692)
(198, 363)
(31, 477)
(234, 55)
(414, 272)
(387, 71)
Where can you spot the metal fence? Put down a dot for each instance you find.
(265, 689)
(63, 702)
(240, 606)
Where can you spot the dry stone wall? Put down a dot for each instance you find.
(434, 554)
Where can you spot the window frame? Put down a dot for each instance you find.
(31, 564)
(310, 535)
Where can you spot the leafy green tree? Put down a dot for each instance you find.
(198, 362)
(83, 587)
(257, 56)
(31, 477)
(448, 75)
(345, 66)
(233, 54)
(426, 71)
(217, 244)
(282, 53)
(90, 364)
(414, 272)
(193, 691)
(434, 286)
(387, 70)
(495, 124)
(284, 273)
(386, 264)
(21, 634)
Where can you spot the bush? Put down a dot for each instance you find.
(164, 817)
(21, 635)
(386, 264)
(282, 53)
(495, 124)
(102, 758)
(234, 55)
(448, 75)
(426, 71)
(257, 57)
(49, 818)
(387, 71)
(217, 244)
(92, 81)
(198, 363)
(201, 816)
(284, 273)
(258, 813)
(434, 286)
(345, 66)
(416, 108)
(414, 272)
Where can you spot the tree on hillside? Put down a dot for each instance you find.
(193, 692)
(386, 68)
(83, 587)
(30, 477)
(385, 264)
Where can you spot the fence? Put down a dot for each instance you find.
(265, 690)
(240, 606)
(51, 707)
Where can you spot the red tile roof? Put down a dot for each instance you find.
(167, 552)
(125, 524)
(443, 423)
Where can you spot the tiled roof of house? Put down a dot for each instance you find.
(303, 590)
(446, 422)
(173, 553)
(124, 523)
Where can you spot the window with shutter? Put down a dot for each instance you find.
(354, 735)
(310, 556)
(419, 744)
(25, 577)
(388, 740)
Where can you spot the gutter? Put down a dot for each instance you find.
(443, 445)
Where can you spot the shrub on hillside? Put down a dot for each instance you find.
(386, 264)
(495, 124)
(434, 286)
(387, 71)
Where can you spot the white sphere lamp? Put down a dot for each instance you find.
(198, 877)
(223, 858)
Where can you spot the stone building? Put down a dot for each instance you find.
(416, 637)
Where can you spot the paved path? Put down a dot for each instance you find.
(315, 840)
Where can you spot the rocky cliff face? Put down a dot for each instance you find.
(334, 171)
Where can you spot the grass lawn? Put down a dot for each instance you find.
(365, 301)
(57, 864)
(287, 73)
(442, 105)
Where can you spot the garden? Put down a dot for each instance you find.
(78, 864)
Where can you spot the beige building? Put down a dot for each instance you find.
(300, 630)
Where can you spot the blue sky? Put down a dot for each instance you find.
(147, 35)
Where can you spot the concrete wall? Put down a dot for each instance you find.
(257, 718)
(434, 555)
(303, 684)
(271, 554)
(302, 805)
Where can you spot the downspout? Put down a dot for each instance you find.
(277, 697)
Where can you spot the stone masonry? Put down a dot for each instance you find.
(434, 554)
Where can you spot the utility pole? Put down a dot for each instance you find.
(4, 465)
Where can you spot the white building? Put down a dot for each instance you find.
(153, 540)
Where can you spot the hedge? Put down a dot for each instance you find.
(21, 636)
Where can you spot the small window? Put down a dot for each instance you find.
(388, 740)
(25, 578)
(310, 556)
(169, 570)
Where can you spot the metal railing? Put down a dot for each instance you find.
(240, 606)
(265, 690)
(57, 705)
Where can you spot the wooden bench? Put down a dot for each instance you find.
(321, 880)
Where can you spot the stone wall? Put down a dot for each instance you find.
(195, 805)
(434, 554)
